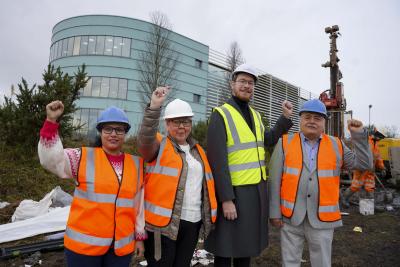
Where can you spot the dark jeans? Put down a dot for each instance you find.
(177, 253)
(107, 260)
(226, 262)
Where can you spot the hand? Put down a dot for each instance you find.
(54, 110)
(287, 108)
(276, 222)
(229, 209)
(158, 97)
(139, 248)
(355, 126)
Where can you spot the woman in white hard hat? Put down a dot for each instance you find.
(179, 197)
(106, 221)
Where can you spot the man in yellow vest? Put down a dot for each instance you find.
(304, 184)
(235, 148)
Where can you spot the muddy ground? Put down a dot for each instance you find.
(377, 245)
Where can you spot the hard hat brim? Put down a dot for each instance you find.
(179, 115)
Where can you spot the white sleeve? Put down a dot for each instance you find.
(55, 159)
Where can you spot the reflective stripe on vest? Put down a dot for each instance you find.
(246, 159)
(329, 163)
(162, 179)
(115, 201)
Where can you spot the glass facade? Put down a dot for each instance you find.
(91, 45)
(106, 87)
(86, 118)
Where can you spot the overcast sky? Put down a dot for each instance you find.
(283, 38)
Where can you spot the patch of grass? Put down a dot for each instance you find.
(22, 177)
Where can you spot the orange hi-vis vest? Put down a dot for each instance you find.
(329, 163)
(161, 184)
(104, 209)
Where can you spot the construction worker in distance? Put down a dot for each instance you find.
(366, 178)
(304, 184)
(236, 141)
(106, 219)
(180, 202)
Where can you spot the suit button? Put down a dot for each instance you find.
(309, 195)
(310, 179)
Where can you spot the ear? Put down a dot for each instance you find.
(231, 83)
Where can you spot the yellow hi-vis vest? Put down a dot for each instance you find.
(246, 154)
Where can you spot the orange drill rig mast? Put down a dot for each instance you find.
(333, 98)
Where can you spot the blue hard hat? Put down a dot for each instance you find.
(315, 106)
(113, 114)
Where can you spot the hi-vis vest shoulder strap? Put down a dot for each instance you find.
(162, 179)
(103, 209)
(246, 153)
(329, 162)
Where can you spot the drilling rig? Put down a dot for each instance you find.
(333, 98)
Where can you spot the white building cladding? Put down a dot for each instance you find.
(110, 46)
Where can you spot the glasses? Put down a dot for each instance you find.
(118, 130)
(244, 83)
(184, 122)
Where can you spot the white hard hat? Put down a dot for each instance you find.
(246, 68)
(178, 108)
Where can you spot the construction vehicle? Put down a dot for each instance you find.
(333, 98)
(389, 149)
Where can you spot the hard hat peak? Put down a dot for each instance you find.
(245, 68)
(315, 106)
(178, 108)
(113, 114)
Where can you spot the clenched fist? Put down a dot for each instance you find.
(355, 125)
(287, 108)
(54, 110)
(158, 97)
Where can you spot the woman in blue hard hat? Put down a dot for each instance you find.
(180, 203)
(106, 221)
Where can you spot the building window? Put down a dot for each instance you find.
(91, 45)
(196, 98)
(86, 119)
(106, 87)
(198, 63)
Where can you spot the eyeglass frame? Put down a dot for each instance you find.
(245, 82)
(181, 121)
(117, 130)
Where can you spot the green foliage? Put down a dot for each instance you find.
(265, 121)
(24, 178)
(199, 132)
(22, 115)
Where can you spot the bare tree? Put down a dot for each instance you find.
(234, 59)
(390, 131)
(157, 63)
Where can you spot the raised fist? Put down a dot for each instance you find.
(159, 95)
(355, 125)
(287, 108)
(54, 110)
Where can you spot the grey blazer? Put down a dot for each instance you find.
(307, 195)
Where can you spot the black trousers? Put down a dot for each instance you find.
(177, 253)
(107, 260)
(226, 262)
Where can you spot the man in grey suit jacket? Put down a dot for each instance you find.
(305, 220)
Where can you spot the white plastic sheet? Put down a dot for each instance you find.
(30, 208)
(52, 221)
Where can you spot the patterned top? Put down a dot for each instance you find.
(65, 162)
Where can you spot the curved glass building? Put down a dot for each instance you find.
(111, 48)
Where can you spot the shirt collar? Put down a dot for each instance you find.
(305, 139)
